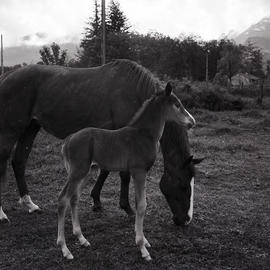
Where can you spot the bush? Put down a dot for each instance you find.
(213, 97)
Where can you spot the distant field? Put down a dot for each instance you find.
(231, 225)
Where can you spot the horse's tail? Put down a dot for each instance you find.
(3, 172)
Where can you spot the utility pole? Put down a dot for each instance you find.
(2, 56)
(206, 68)
(103, 38)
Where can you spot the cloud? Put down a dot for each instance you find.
(41, 35)
(36, 38)
(44, 21)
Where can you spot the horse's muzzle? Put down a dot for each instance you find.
(183, 222)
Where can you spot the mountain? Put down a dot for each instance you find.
(258, 34)
(30, 54)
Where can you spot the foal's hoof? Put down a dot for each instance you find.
(97, 207)
(36, 210)
(69, 256)
(147, 258)
(85, 244)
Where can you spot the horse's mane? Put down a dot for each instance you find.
(146, 84)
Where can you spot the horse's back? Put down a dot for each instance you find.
(64, 100)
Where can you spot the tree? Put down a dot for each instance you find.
(53, 55)
(231, 59)
(117, 21)
(117, 34)
(253, 60)
(90, 54)
(117, 37)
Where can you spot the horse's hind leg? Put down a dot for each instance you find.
(6, 144)
(95, 193)
(124, 193)
(19, 159)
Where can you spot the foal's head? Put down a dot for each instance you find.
(175, 111)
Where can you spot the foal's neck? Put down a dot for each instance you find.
(151, 121)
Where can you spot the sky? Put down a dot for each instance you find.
(39, 22)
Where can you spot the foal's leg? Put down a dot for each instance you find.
(95, 193)
(19, 159)
(62, 208)
(140, 197)
(124, 193)
(75, 217)
(77, 170)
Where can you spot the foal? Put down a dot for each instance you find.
(132, 148)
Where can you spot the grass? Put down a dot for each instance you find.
(230, 229)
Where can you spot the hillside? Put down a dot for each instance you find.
(258, 34)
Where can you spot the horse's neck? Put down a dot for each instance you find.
(175, 145)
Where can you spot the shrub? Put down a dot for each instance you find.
(211, 97)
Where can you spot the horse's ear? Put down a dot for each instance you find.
(168, 89)
(197, 160)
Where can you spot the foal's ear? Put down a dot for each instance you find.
(197, 160)
(168, 89)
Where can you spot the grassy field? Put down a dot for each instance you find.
(231, 225)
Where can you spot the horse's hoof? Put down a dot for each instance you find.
(97, 208)
(130, 212)
(4, 221)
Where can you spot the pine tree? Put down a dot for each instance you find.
(117, 21)
(91, 43)
(117, 34)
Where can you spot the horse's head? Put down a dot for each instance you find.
(176, 111)
(177, 185)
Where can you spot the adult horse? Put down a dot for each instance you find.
(64, 100)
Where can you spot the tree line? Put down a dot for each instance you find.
(182, 57)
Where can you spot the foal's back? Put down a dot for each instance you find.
(113, 150)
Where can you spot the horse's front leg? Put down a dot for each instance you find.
(19, 159)
(95, 193)
(124, 193)
(140, 197)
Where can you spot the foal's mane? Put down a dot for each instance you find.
(142, 109)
